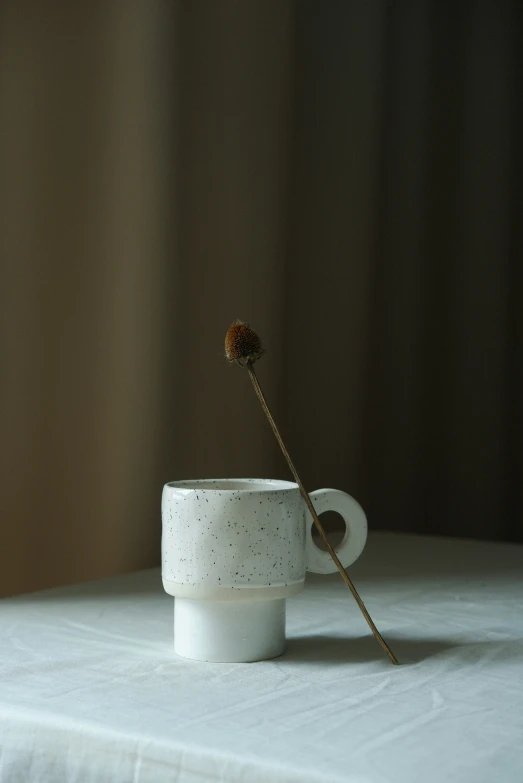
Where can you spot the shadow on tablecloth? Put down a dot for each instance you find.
(365, 649)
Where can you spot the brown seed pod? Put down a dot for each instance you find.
(242, 344)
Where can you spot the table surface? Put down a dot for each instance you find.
(90, 689)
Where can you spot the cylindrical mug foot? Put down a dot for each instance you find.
(229, 631)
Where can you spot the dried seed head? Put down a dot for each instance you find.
(242, 344)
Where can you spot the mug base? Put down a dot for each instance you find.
(229, 631)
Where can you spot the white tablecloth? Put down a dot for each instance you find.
(90, 689)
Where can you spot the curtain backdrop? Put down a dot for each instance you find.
(344, 175)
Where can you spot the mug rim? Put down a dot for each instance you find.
(251, 485)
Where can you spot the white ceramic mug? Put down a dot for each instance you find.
(233, 550)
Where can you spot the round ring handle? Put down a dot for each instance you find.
(319, 560)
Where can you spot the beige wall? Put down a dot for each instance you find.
(343, 176)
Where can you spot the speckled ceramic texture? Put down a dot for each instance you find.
(247, 539)
(225, 536)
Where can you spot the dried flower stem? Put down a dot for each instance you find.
(257, 388)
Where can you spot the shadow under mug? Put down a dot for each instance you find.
(233, 550)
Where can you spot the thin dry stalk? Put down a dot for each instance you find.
(348, 581)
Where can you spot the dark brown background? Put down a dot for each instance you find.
(344, 175)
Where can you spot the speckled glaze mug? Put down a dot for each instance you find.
(233, 550)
